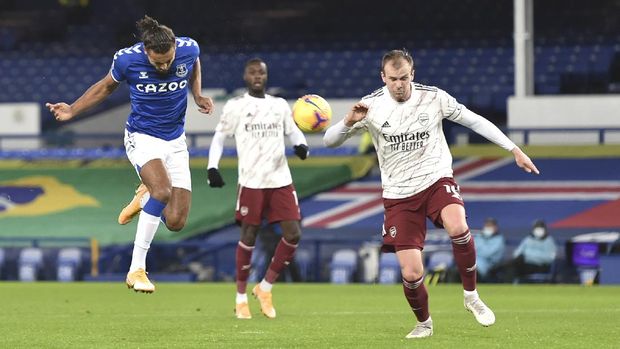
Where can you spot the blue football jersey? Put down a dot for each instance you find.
(158, 101)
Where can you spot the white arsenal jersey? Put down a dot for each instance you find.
(259, 126)
(411, 147)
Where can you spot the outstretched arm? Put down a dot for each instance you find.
(336, 134)
(341, 131)
(93, 96)
(489, 131)
(205, 104)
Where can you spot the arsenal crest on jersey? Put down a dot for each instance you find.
(181, 70)
(423, 118)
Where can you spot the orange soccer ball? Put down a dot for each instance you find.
(312, 113)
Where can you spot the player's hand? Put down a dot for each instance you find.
(357, 113)
(61, 111)
(205, 104)
(301, 151)
(524, 161)
(215, 178)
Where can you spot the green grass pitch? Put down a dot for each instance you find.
(107, 315)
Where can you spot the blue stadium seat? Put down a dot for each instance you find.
(303, 259)
(29, 263)
(343, 266)
(1, 261)
(389, 269)
(69, 263)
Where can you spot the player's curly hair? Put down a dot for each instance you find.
(156, 37)
(394, 55)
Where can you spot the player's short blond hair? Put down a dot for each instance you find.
(395, 56)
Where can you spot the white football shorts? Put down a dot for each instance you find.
(142, 148)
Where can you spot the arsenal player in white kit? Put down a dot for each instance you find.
(259, 123)
(404, 120)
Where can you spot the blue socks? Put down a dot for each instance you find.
(154, 207)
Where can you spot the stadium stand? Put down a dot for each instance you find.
(343, 266)
(472, 59)
(49, 52)
(69, 264)
(303, 259)
(2, 255)
(389, 269)
(30, 263)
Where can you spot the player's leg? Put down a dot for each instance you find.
(454, 222)
(404, 231)
(453, 218)
(145, 154)
(446, 209)
(249, 215)
(243, 257)
(291, 233)
(176, 211)
(412, 271)
(282, 206)
(177, 164)
(285, 251)
(155, 177)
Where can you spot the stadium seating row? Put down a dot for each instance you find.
(345, 265)
(481, 78)
(331, 55)
(30, 264)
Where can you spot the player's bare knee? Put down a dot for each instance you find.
(248, 235)
(161, 193)
(293, 236)
(248, 240)
(175, 227)
(175, 224)
(410, 274)
(291, 231)
(456, 228)
(175, 221)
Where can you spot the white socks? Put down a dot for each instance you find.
(147, 227)
(470, 295)
(241, 298)
(427, 322)
(265, 286)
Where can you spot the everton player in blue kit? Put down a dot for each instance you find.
(159, 70)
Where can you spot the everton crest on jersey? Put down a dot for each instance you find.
(158, 100)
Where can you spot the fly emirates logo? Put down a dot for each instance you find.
(406, 141)
(262, 129)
